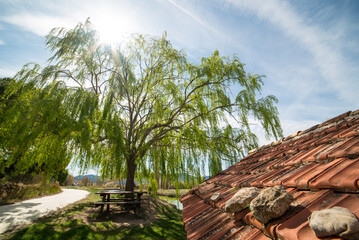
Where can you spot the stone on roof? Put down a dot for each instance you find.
(318, 167)
(336, 221)
(241, 199)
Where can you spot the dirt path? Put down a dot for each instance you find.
(27, 211)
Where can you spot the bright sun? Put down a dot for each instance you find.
(113, 30)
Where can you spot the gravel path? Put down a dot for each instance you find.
(27, 211)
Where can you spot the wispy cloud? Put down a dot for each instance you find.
(39, 24)
(194, 17)
(2, 42)
(7, 72)
(289, 126)
(321, 43)
(309, 67)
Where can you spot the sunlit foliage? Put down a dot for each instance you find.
(34, 129)
(141, 109)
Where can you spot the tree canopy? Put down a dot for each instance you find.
(141, 109)
(33, 131)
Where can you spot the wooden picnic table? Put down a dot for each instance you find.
(130, 198)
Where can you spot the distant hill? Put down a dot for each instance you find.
(91, 176)
(94, 178)
(183, 176)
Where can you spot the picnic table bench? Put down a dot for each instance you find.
(128, 198)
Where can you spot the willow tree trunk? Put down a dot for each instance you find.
(131, 169)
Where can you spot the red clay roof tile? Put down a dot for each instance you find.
(347, 148)
(302, 179)
(210, 223)
(319, 167)
(239, 215)
(254, 234)
(349, 132)
(343, 177)
(203, 188)
(335, 119)
(260, 181)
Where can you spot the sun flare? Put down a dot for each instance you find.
(114, 30)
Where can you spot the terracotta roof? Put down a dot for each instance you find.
(319, 167)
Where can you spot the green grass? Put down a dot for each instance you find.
(166, 228)
(171, 192)
(71, 224)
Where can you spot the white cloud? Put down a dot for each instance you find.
(289, 126)
(40, 24)
(323, 45)
(112, 21)
(2, 42)
(201, 29)
(7, 72)
(184, 22)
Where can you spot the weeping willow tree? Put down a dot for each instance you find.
(143, 110)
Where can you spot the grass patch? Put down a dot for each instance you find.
(83, 221)
(171, 192)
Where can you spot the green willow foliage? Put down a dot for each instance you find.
(33, 137)
(141, 110)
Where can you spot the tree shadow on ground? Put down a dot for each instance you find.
(162, 229)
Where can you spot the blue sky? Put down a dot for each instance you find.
(308, 50)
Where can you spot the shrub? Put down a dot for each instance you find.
(61, 176)
(14, 192)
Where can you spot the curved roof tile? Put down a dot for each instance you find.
(318, 166)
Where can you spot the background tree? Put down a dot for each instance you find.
(69, 180)
(34, 128)
(144, 110)
(99, 182)
(86, 181)
(62, 176)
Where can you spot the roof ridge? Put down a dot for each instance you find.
(319, 127)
